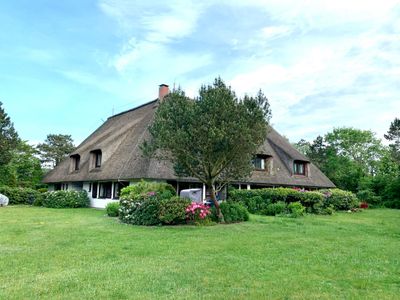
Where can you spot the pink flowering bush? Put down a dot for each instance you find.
(197, 213)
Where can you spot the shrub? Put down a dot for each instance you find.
(369, 197)
(321, 209)
(21, 195)
(340, 200)
(112, 209)
(66, 199)
(274, 209)
(234, 212)
(43, 190)
(173, 211)
(295, 209)
(392, 194)
(197, 213)
(152, 208)
(256, 204)
(256, 201)
(162, 189)
(140, 209)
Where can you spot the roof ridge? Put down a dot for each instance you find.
(132, 109)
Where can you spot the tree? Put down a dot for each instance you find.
(346, 156)
(26, 166)
(55, 148)
(8, 137)
(302, 146)
(360, 146)
(212, 138)
(393, 135)
(23, 169)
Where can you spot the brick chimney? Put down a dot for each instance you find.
(163, 91)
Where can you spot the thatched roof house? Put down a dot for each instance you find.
(110, 159)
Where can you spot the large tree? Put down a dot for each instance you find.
(55, 148)
(23, 169)
(393, 135)
(8, 137)
(360, 146)
(346, 155)
(212, 137)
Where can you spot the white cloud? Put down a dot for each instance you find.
(301, 54)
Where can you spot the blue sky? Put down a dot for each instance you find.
(65, 66)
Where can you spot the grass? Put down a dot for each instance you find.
(81, 253)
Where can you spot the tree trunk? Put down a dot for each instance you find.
(216, 204)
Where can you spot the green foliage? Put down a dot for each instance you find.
(274, 209)
(234, 212)
(152, 203)
(295, 209)
(43, 190)
(163, 190)
(256, 201)
(393, 135)
(339, 199)
(8, 137)
(346, 155)
(369, 197)
(173, 211)
(112, 209)
(392, 194)
(66, 199)
(221, 147)
(55, 148)
(23, 169)
(20, 195)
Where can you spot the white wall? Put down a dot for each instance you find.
(97, 202)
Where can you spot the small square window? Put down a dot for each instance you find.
(299, 168)
(96, 158)
(261, 162)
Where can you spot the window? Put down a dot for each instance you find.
(96, 158)
(105, 189)
(57, 187)
(299, 168)
(261, 162)
(94, 190)
(75, 160)
(118, 186)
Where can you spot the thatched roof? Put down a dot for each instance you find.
(120, 137)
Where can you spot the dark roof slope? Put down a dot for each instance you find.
(120, 137)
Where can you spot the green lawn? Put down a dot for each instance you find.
(80, 253)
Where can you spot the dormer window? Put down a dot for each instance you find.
(300, 168)
(96, 158)
(75, 161)
(261, 162)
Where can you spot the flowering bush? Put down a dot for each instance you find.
(340, 199)
(152, 208)
(66, 199)
(197, 212)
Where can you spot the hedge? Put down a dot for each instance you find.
(319, 202)
(21, 195)
(66, 199)
(152, 203)
(256, 201)
(339, 199)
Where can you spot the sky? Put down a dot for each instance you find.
(65, 66)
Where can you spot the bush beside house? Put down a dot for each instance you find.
(66, 199)
(152, 203)
(17, 195)
(277, 201)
